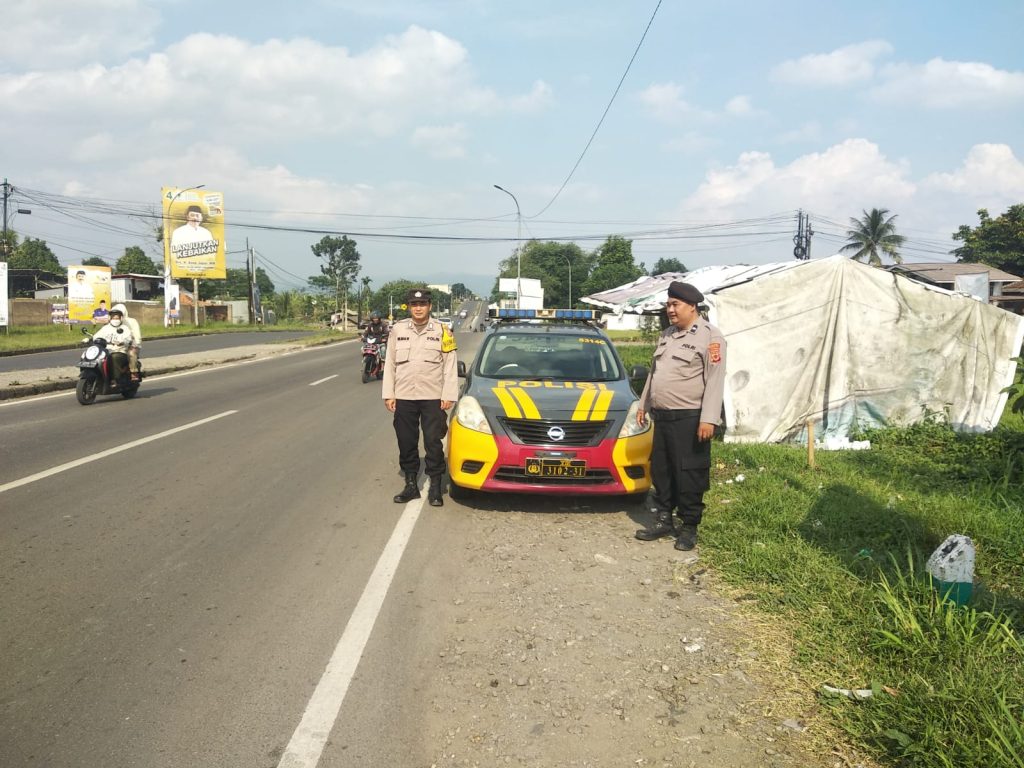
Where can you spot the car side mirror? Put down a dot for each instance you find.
(462, 369)
(638, 372)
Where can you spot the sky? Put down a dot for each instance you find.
(696, 130)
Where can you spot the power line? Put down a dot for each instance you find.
(603, 115)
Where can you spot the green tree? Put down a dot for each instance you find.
(661, 266)
(340, 267)
(997, 242)
(550, 262)
(95, 261)
(614, 266)
(8, 244)
(35, 254)
(235, 285)
(875, 232)
(136, 262)
(395, 291)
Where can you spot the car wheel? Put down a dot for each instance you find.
(457, 492)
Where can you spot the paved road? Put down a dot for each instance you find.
(154, 348)
(178, 603)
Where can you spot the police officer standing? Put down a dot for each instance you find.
(683, 395)
(420, 384)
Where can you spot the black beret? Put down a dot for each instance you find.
(417, 294)
(685, 292)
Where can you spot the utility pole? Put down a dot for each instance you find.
(802, 238)
(7, 193)
(249, 274)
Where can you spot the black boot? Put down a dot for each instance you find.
(687, 538)
(411, 490)
(662, 526)
(434, 494)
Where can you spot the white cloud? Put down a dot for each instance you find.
(844, 66)
(665, 101)
(37, 34)
(740, 106)
(845, 177)
(441, 141)
(209, 85)
(989, 172)
(942, 84)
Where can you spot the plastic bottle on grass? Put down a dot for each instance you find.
(951, 567)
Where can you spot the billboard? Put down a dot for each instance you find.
(88, 294)
(194, 233)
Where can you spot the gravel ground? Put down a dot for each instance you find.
(573, 644)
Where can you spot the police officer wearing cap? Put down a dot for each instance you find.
(683, 395)
(420, 384)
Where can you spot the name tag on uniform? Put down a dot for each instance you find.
(403, 338)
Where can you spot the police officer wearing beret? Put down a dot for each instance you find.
(683, 395)
(420, 384)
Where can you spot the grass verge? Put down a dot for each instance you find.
(30, 338)
(835, 555)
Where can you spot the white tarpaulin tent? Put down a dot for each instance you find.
(838, 343)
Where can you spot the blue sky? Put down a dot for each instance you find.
(393, 120)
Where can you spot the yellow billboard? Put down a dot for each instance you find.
(88, 294)
(194, 232)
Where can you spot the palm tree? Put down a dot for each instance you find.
(872, 234)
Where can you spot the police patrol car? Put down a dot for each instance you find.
(548, 408)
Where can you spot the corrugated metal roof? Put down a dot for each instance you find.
(944, 272)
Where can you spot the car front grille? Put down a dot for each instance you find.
(535, 431)
(518, 475)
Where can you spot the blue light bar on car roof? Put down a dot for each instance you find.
(544, 314)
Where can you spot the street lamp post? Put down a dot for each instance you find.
(167, 260)
(519, 254)
(569, 262)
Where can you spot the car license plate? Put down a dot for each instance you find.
(556, 468)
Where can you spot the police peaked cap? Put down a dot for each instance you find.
(685, 292)
(417, 294)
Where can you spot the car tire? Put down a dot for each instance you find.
(457, 492)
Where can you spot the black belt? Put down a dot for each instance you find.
(674, 414)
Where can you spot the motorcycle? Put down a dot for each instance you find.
(96, 373)
(373, 358)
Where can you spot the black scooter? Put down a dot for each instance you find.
(96, 374)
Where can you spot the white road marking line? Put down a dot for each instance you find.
(307, 743)
(110, 452)
(321, 381)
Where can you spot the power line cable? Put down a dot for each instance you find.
(603, 116)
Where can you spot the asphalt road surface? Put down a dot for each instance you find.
(214, 574)
(178, 345)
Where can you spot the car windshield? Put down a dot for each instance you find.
(560, 356)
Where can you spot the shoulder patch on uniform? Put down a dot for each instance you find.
(715, 352)
(447, 340)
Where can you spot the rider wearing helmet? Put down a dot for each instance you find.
(136, 347)
(376, 328)
(118, 335)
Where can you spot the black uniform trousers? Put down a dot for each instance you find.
(680, 464)
(409, 416)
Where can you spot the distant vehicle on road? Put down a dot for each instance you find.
(462, 314)
(446, 320)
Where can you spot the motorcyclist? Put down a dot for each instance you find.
(136, 347)
(376, 328)
(118, 335)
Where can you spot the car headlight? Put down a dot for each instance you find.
(470, 415)
(630, 427)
